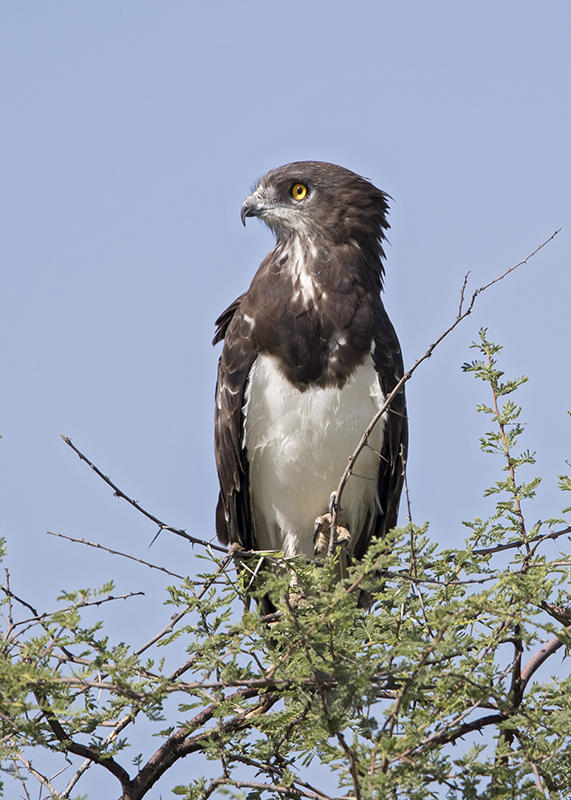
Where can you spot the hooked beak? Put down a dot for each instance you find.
(251, 207)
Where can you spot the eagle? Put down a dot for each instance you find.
(309, 357)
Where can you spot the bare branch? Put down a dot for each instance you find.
(120, 493)
(38, 776)
(87, 543)
(336, 505)
(82, 604)
(463, 292)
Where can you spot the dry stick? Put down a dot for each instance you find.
(115, 553)
(18, 775)
(10, 594)
(462, 314)
(119, 493)
(42, 779)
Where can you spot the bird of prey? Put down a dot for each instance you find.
(309, 355)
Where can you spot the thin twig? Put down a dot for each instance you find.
(81, 604)
(38, 776)
(278, 770)
(269, 787)
(498, 548)
(462, 314)
(20, 778)
(451, 736)
(87, 543)
(463, 291)
(120, 493)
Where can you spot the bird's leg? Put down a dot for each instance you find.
(322, 535)
(296, 596)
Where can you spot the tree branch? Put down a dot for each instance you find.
(87, 543)
(498, 548)
(120, 493)
(539, 658)
(462, 314)
(92, 753)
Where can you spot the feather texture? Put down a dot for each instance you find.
(309, 354)
(298, 444)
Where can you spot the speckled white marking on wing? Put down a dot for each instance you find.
(298, 445)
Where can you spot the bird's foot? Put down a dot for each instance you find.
(322, 536)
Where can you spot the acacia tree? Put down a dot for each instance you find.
(393, 699)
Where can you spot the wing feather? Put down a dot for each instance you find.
(233, 515)
(387, 358)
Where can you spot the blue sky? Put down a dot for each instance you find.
(130, 135)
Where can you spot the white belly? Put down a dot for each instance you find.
(298, 445)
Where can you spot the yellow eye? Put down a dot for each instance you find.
(298, 191)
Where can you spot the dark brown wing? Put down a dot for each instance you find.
(225, 319)
(387, 358)
(233, 517)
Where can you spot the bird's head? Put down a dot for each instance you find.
(318, 199)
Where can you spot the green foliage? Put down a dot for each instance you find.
(393, 699)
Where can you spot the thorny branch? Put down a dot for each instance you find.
(115, 553)
(463, 312)
(120, 493)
